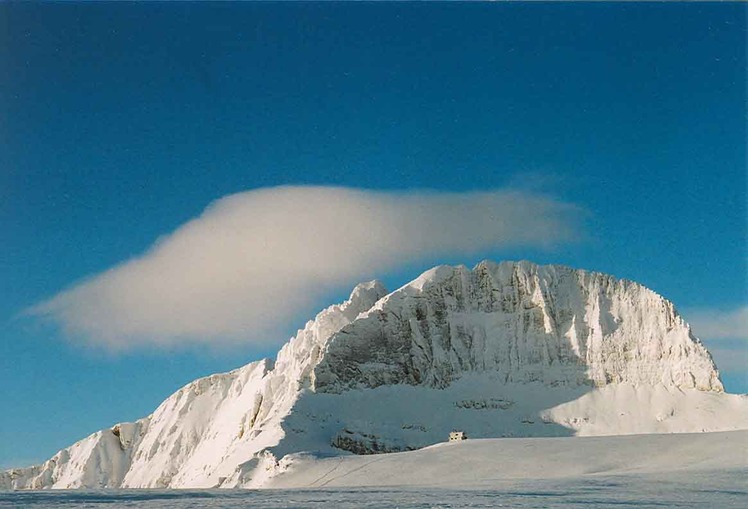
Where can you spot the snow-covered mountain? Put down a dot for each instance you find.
(508, 349)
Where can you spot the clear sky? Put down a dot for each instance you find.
(121, 122)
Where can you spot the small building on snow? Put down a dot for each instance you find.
(457, 436)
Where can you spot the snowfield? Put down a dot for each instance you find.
(496, 463)
(677, 471)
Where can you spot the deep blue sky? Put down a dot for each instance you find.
(119, 122)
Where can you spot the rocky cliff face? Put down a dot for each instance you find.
(509, 349)
(528, 323)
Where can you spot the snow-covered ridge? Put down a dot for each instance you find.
(201, 433)
(508, 349)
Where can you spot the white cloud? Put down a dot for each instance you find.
(253, 260)
(716, 324)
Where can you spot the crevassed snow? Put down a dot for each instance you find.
(509, 349)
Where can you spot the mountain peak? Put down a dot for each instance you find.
(527, 322)
(365, 295)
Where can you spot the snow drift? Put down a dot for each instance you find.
(486, 463)
(508, 349)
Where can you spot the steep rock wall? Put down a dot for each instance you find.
(528, 323)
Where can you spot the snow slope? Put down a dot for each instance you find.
(643, 471)
(488, 463)
(509, 349)
(212, 429)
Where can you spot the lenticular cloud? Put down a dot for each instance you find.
(253, 260)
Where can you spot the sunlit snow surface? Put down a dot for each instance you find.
(723, 489)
